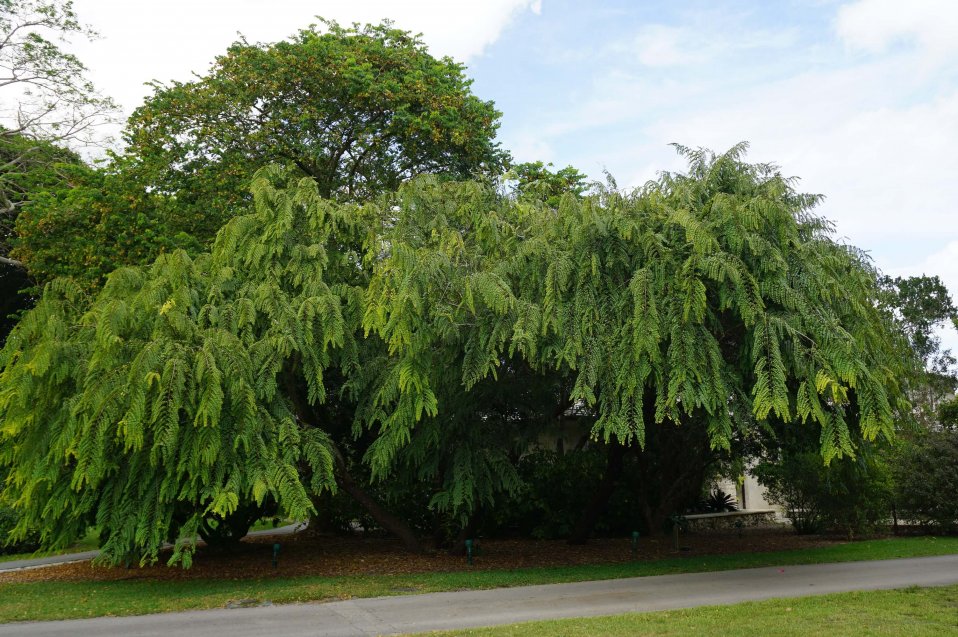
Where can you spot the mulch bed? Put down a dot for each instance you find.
(306, 555)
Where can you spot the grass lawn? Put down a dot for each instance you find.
(64, 600)
(915, 612)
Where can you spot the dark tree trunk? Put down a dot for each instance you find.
(321, 523)
(387, 520)
(672, 466)
(307, 414)
(600, 499)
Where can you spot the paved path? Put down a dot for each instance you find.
(66, 558)
(447, 611)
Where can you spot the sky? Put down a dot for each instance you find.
(857, 98)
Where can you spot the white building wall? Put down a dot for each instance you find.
(749, 494)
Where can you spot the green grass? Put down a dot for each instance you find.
(266, 524)
(65, 600)
(915, 612)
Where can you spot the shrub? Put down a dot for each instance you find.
(851, 495)
(8, 520)
(927, 480)
(716, 501)
(557, 488)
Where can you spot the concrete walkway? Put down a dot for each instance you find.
(448, 611)
(66, 558)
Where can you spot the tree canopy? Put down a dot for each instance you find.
(714, 294)
(357, 109)
(712, 301)
(46, 98)
(922, 306)
(166, 399)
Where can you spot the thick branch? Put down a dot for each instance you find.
(13, 262)
(385, 519)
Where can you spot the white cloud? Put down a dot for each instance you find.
(876, 25)
(888, 172)
(660, 45)
(870, 133)
(705, 39)
(143, 41)
(526, 147)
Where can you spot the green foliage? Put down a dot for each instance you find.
(927, 480)
(48, 104)
(922, 305)
(537, 181)
(713, 296)
(92, 223)
(948, 414)
(27, 167)
(357, 109)
(717, 501)
(433, 334)
(28, 543)
(162, 401)
(556, 487)
(852, 495)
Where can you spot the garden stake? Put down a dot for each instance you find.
(275, 555)
(635, 543)
(469, 551)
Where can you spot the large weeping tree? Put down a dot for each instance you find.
(445, 326)
(711, 300)
(166, 400)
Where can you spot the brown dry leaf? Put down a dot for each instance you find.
(307, 555)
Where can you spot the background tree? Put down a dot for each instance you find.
(537, 180)
(711, 299)
(923, 306)
(926, 474)
(43, 169)
(358, 109)
(46, 98)
(46, 103)
(93, 222)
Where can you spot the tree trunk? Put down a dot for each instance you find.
(385, 519)
(600, 499)
(320, 523)
(347, 483)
